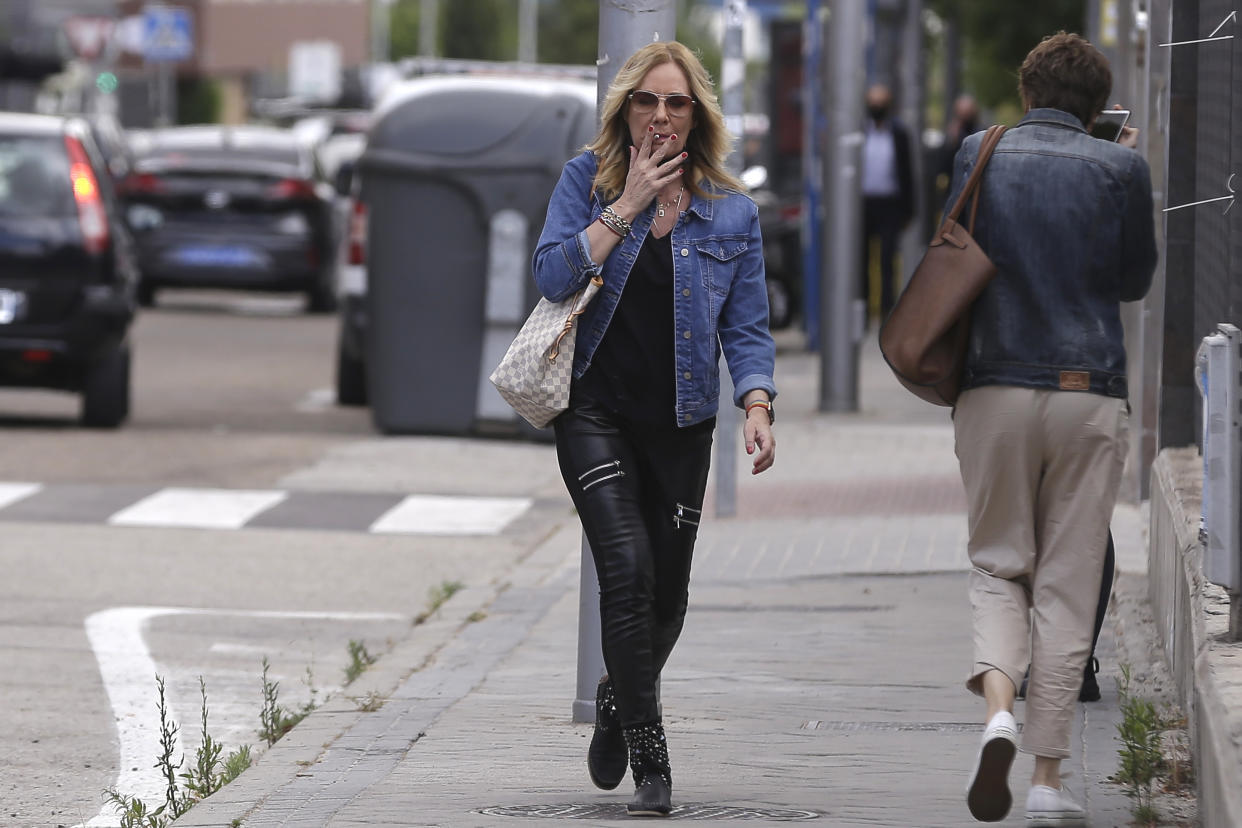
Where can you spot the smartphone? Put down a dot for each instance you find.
(1109, 123)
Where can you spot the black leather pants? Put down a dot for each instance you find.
(639, 493)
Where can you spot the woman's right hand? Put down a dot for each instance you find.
(649, 173)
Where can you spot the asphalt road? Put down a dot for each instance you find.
(312, 539)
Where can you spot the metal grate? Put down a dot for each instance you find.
(617, 811)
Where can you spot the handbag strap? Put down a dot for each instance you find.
(990, 139)
(581, 300)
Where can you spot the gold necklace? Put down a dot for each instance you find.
(660, 205)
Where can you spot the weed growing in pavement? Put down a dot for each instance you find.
(1139, 731)
(371, 702)
(275, 721)
(359, 660)
(201, 780)
(476, 616)
(436, 597)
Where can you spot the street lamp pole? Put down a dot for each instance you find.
(842, 312)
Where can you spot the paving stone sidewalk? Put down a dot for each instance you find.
(819, 677)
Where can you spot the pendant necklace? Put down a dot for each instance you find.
(660, 205)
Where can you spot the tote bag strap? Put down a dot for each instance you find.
(990, 139)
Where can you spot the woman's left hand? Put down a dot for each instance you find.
(758, 434)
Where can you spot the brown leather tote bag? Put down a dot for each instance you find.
(924, 338)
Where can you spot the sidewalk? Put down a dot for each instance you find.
(819, 677)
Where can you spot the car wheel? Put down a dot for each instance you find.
(351, 379)
(146, 294)
(105, 394)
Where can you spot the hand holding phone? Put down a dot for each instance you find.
(1110, 124)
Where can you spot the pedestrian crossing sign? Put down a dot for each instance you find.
(168, 34)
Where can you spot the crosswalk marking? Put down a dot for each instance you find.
(198, 508)
(13, 492)
(439, 515)
(127, 505)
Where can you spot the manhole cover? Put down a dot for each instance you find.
(617, 811)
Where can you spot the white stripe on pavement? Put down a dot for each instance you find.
(198, 508)
(128, 672)
(12, 492)
(439, 515)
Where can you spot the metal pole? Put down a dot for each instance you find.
(842, 310)
(624, 27)
(428, 27)
(381, 11)
(911, 78)
(814, 128)
(528, 27)
(733, 102)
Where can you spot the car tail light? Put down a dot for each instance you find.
(292, 189)
(91, 213)
(358, 233)
(791, 212)
(37, 355)
(142, 183)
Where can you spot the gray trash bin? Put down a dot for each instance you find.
(456, 176)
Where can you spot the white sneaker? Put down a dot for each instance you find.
(1052, 808)
(988, 794)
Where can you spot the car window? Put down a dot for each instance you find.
(34, 177)
(197, 150)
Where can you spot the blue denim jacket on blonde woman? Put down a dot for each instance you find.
(719, 293)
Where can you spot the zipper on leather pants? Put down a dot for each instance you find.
(687, 515)
(613, 465)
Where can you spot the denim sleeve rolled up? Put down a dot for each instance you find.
(719, 293)
(1068, 221)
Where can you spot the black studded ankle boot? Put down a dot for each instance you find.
(653, 779)
(606, 757)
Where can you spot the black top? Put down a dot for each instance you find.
(633, 372)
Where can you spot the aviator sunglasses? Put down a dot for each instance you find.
(678, 105)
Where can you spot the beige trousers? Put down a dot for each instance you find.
(1041, 470)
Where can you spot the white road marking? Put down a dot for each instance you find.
(128, 672)
(320, 399)
(12, 492)
(198, 508)
(440, 515)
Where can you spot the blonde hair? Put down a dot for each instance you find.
(707, 145)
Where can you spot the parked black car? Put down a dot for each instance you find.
(67, 267)
(230, 207)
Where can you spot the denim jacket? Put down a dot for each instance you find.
(719, 297)
(1067, 220)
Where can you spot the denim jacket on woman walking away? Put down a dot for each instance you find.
(1067, 220)
(719, 293)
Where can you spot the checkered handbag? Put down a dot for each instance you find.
(535, 374)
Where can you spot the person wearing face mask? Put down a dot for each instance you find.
(650, 208)
(888, 193)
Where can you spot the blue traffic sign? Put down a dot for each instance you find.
(168, 34)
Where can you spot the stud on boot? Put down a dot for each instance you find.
(653, 780)
(606, 757)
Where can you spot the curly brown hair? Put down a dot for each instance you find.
(707, 145)
(1066, 72)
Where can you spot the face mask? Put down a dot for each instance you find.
(877, 113)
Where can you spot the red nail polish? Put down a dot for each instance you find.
(685, 155)
(673, 137)
(650, 128)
